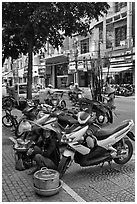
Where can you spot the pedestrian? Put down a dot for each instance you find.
(110, 97)
(46, 152)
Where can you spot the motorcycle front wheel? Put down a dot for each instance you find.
(63, 166)
(124, 151)
(7, 121)
(18, 130)
(63, 104)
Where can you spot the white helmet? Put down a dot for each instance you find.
(76, 84)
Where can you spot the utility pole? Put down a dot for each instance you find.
(76, 61)
(99, 73)
(76, 64)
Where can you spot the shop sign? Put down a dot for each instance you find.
(80, 65)
(72, 67)
(41, 71)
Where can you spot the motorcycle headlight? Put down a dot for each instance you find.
(54, 102)
(79, 95)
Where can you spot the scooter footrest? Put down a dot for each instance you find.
(96, 161)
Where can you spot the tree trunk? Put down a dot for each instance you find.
(29, 74)
(3, 60)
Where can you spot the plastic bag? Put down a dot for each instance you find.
(19, 165)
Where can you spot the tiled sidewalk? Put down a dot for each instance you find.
(17, 186)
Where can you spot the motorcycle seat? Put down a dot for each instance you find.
(103, 133)
(67, 119)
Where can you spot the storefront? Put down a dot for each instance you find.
(83, 73)
(57, 71)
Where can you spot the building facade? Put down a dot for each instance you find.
(110, 48)
(108, 51)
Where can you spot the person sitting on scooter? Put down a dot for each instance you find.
(71, 87)
(76, 88)
(46, 152)
(45, 94)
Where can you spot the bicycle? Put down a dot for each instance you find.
(9, 120)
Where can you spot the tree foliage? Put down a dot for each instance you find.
(28, 25)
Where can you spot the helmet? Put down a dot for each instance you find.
(76, 84)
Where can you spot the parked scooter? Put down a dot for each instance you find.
(75, 96)
(112, 144)
(102, 111)
(56, 100)
(32, 113)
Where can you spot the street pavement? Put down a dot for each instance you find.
(93, 184)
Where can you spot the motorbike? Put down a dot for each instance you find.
(102, 110)
(8, 102)
(37, 113)
(111, 145)
(75, 96)
(125, 90)
(56, 100)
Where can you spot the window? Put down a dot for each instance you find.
(116, 17)
(119, 5)
(84, 46)
(109, 20)
(120, 34)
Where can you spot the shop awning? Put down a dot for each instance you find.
(61, 59)
(117, 69)
(62, 76)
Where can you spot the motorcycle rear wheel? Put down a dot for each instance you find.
(62, 167)
(7, 121)
(128, 147)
